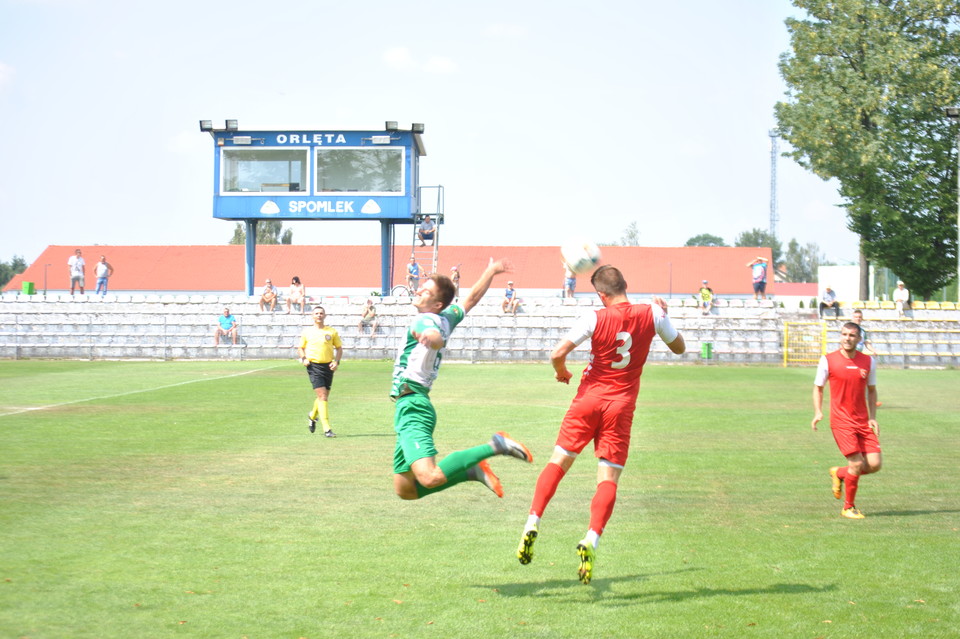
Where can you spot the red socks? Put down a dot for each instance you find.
(602, 505)
(547, 484)
(850, 485)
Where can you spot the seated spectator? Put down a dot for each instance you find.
(268, 296)
(297, 295)
(829, 300)
(426, 231)
(511, 300)
(706, 298)
(368, 317)
(226, 325)
(901, 297)
(413, 275)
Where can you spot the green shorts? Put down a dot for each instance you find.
(413, 420)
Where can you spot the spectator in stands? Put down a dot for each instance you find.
(511, 300)
(829, 300)
(413, 275)
(77, 266)
(901, 297)
(226, 325)
(268, 296)
(455, 278)
(426, 231)
(864, 346)
(706, 298)
(759, 272)
(368, 317)
(569, 281)
(104, 272)
(297, 295)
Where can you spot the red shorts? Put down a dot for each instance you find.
(856, 439)
(606, 422)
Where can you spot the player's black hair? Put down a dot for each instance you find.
(609, 280)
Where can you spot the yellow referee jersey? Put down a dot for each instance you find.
(318, 344)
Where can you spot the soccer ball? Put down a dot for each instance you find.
(580, 256)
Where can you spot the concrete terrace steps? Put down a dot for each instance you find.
(181, 327)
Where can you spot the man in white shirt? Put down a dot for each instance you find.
(76, 264)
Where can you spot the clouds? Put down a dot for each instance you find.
(402, 59)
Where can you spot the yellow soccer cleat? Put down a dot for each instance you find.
(836, 482)
(586, 554)
(525, 549)
(852, 513)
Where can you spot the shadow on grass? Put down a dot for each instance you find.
(600, 589)
(912, 513)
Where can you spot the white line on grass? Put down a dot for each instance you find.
(143, 390)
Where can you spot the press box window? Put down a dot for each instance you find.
(264, 170)
(364, 170)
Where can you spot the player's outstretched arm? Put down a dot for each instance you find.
(678, 346)
(480, 288)
(558, 358)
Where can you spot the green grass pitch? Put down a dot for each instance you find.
(187, 499)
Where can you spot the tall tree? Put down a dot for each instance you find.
(801, 263)
(705, 239)
(15, 266)
(867, 81)
(759, 237)
(268, 232)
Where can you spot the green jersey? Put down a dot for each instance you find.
(420, 364)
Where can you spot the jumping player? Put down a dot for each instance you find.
(620, 335)
(416, 471)
(853, 414)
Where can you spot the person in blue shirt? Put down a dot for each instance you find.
(226, 325)
(413, 275)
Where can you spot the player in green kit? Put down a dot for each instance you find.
(417, 472)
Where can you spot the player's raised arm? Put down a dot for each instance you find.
(482, 285)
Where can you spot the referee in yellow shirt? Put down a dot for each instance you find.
(320, 351)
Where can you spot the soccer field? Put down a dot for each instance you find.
(187, 499)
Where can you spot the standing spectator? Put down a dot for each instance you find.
(297, 295)
(829, 300)
(620, 336)
(413, 275)
(901, 297)
(320, 351)
(368, 317)
(104, 272)
(416, 470)
(455, 278)
(77, 266)
(853, 415)
(226, 325)
(268, 296)
(706, 298)
(569, 281)
(864, 345)
(426, 231)
(759, 273)
(511, 300)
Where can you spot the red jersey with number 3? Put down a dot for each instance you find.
(618, 349)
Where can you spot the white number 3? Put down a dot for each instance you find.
(623, 350)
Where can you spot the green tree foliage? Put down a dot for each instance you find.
(802, 262)
(867, 82)
(15, 266)
(268, 232)
(759, 237)
(705, 239)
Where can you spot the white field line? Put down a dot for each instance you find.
(20, 411)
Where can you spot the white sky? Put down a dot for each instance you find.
(544, 120)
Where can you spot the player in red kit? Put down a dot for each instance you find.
(853, 414)
(620, 335)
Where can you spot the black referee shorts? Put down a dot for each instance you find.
(320, 375)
